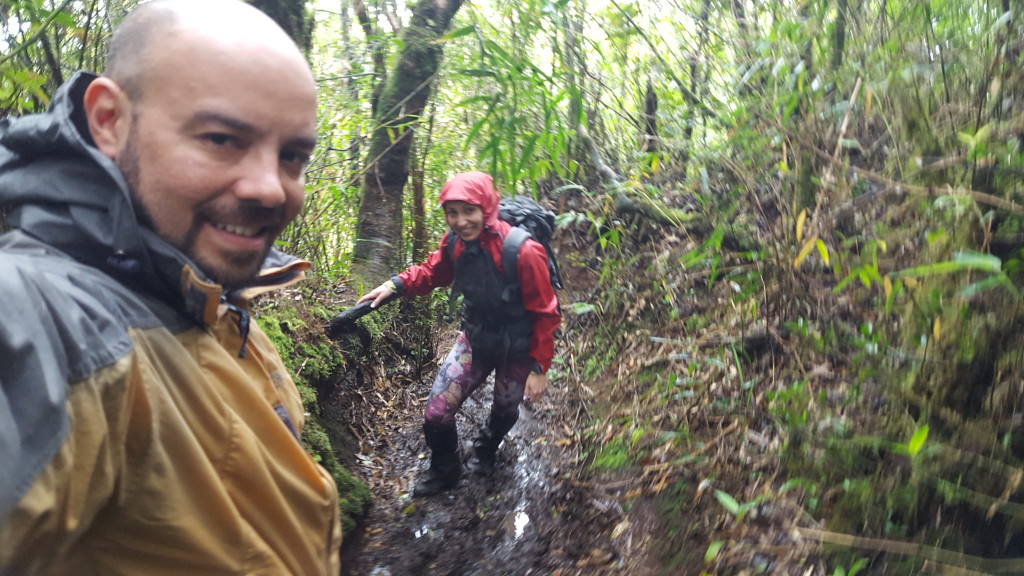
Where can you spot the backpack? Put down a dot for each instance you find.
(528, 220)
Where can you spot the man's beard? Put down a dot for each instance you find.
(244, 267)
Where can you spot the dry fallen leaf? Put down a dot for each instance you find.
(620, 528)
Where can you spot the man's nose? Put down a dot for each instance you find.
(261, 179)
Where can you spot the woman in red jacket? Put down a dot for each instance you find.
(507, 327)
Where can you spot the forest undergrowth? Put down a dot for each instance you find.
(777, 410)
(816, 370)
(836, 406)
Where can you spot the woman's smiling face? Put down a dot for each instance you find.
(467, 220)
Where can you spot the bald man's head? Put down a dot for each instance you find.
(151, 30)
(209, 110)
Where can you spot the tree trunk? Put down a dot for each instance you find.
(650, 137)
(695, 83)
(402, 101)
(839, 34)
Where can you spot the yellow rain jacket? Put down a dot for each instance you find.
(146, 425)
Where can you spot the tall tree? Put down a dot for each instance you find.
(399, 110)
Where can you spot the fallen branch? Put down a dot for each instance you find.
(940, 555)
(931, 191)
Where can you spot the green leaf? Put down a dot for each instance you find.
(822, 251)
(982, 135)
(962, 261)
(471, 137)
(475, 99)
(526, 155)
(917, 441)
(580, 308)
(64, 19)
(986, 285)
(478, 73)
(495, 49)
(458, 33)
(979, 261)
(728, 502)
(713, 551)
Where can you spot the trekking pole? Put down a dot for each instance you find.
(346, 319)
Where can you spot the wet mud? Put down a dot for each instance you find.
(525, 518)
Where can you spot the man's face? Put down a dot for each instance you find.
(216, 153)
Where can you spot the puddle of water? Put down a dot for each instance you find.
(428, 532)
(522, 519)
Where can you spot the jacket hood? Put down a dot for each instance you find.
(49, 158)
(474, 188)
(58, 187)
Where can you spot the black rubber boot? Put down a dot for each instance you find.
(445, 467)
(485, 446)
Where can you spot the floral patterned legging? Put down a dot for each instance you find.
(461, 374)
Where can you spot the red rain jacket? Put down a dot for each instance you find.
(539, 297)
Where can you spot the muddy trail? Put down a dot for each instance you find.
(529, 517)
(700, 491)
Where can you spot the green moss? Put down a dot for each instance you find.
(613, 455)
(310, 358)
(353, 495)
(598, 363)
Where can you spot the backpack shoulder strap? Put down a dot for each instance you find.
(449, 245)
(510, 252)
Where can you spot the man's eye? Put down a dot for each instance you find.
(219, 139)
(295, 157)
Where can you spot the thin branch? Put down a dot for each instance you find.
(42, 29)
(687, 93)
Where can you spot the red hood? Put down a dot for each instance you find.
(475, 188)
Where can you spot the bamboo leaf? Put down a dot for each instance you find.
(527, 154)
(728, 502)
(475, 99)
(918, 440)
(804, 251)
(972, 290)
(979, 261)
(963, 261)
(713, 551)
(822, 251)
(478, 73)
(800, 225)
(982, 135)
(897, 287)
(64, 19)
(493, 48)
(475, 130)
(458, 33)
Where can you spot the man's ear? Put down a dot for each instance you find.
(108, 112)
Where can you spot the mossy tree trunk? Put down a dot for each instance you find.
(402, 102)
